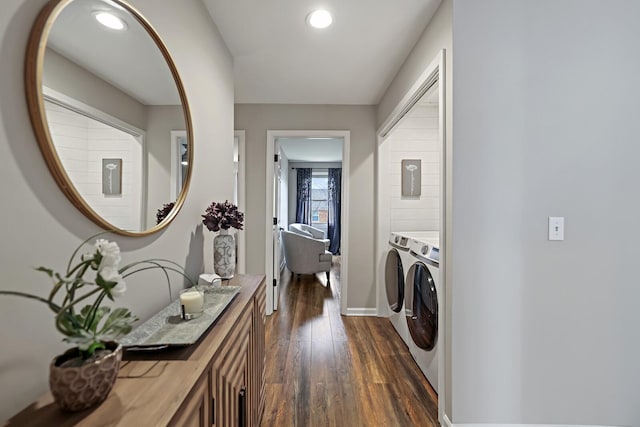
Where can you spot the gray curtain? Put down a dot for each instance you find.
(335, 205)
(303, 196)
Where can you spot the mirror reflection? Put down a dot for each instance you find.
(114, 113)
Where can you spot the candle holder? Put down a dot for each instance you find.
(191, 303)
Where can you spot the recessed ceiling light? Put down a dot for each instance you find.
(110, 21)
(319, 18)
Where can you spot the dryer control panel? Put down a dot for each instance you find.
(426, 251)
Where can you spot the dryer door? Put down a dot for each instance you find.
(394, 280)
(421, 306)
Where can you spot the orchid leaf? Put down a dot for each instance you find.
(97, 316)
(120, 322)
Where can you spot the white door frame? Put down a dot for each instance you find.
(272, 135)
(276, 213)
(435, 70)
(242, 196)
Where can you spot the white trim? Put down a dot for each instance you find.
(272, 135)
(445, 421)
(444, 196)
(525, 425)
(434, 72)
(424, 82)
(80, 107)
(361, 312)
(242, 196)
(278, 250)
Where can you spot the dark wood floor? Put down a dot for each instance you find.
(324, 369)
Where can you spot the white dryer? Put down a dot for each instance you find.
(422, 305)
(432, 237)
(396, 266)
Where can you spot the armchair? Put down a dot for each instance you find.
(309, 231)
(305, 255)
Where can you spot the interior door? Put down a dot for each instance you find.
(277, 170)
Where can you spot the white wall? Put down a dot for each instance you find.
(41, 225)
(256, 119)
(76, 82)
(416, 137)
(546, 124)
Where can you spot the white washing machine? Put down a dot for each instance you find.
(396, 266)
(422, 298)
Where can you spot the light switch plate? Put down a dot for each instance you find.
(556, 228)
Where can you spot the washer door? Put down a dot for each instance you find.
(421, 306)
(394, 280)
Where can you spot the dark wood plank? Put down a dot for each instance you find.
(324, 369)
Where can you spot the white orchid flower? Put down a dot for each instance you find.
(110, 254)
(111, 274)
(119, 289)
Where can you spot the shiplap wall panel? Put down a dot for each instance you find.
(81, 144)
(416, 137)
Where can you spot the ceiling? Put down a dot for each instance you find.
(129, 60)
(278, 58)
(312, 149)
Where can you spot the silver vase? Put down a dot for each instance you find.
(224, 254)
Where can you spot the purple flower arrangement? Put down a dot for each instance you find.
(164, 211)
(222, 216)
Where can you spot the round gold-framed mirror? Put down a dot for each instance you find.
(110, 114)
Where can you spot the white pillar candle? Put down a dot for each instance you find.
(192, 300)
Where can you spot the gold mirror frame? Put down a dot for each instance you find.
(34, 65)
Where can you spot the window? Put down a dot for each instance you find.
(319, 198)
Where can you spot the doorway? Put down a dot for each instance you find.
(274, 203)
(404, 211)
(239, 193)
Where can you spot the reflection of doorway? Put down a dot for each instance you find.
(274, 224)
(239, 193)
(179, 162)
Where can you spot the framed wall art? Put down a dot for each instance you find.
(411, 173)
(111, 176)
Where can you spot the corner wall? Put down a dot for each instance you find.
(42, 228)
(256, 119)
(546, 124)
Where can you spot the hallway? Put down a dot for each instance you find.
(323, 369)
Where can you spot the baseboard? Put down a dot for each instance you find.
(362, 312)
(448, 423)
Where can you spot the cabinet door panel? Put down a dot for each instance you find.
(196, 410)
(231, 370)
(258, 357)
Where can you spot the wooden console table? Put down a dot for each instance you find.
(219, 381)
